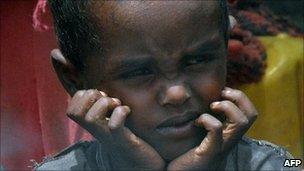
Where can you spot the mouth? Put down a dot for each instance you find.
(179, 126)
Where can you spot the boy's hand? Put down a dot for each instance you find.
(240, 114)
(90, 109)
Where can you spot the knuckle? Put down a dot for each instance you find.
(201, 118)
(134, 140)
(75, 111)
(69, 111)
(217, 125)
(243, 122)
(225, 104)
(90, 91)
(112, 126)
(93, 119)
(93, 93)
(90, 119)
(79, 93)
(239, 94)
(254, 115)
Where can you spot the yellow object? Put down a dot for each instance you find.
(279, 96)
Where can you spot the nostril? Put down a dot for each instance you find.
(176, 95)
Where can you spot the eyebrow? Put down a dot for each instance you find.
(132, 62)
(203, 46)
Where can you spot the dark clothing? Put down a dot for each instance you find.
(248, 154)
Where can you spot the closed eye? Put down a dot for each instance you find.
(136, 73)
(194, 60)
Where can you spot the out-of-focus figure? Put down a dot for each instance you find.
(266, 61)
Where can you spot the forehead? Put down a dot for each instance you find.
(165, 26)
(139, 13)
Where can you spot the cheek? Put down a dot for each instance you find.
(142, 104)
(208, 86)
(138, 100)
(207, 91)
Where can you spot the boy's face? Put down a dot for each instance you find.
(166, 60)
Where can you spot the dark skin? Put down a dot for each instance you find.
(161, 60)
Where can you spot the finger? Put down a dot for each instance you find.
(118, 117)
(79, 99)
(100, 109)
(95, 121)
(72, 104)
(82, 103)
(242, 101)
(211, 144)
(119, 132)
(127, 141)
(236, 125)
(201, 156)
(233, 114)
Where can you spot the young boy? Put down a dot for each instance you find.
(148, 82)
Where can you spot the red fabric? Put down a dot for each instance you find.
(33, 103)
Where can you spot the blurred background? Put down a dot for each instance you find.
(265, 60)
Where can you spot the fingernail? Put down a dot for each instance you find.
(103, 93)
(214, 104)
(116, 101)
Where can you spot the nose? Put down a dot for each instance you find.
(176, 95)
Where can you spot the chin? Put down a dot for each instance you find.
(170, 150)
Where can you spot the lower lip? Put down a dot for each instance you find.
(180, 131)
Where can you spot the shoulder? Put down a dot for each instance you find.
(254, 154)
(74, 157)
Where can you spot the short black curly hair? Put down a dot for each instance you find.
(77, 32)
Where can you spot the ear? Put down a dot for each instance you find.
(232, 22)
(67, 73)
